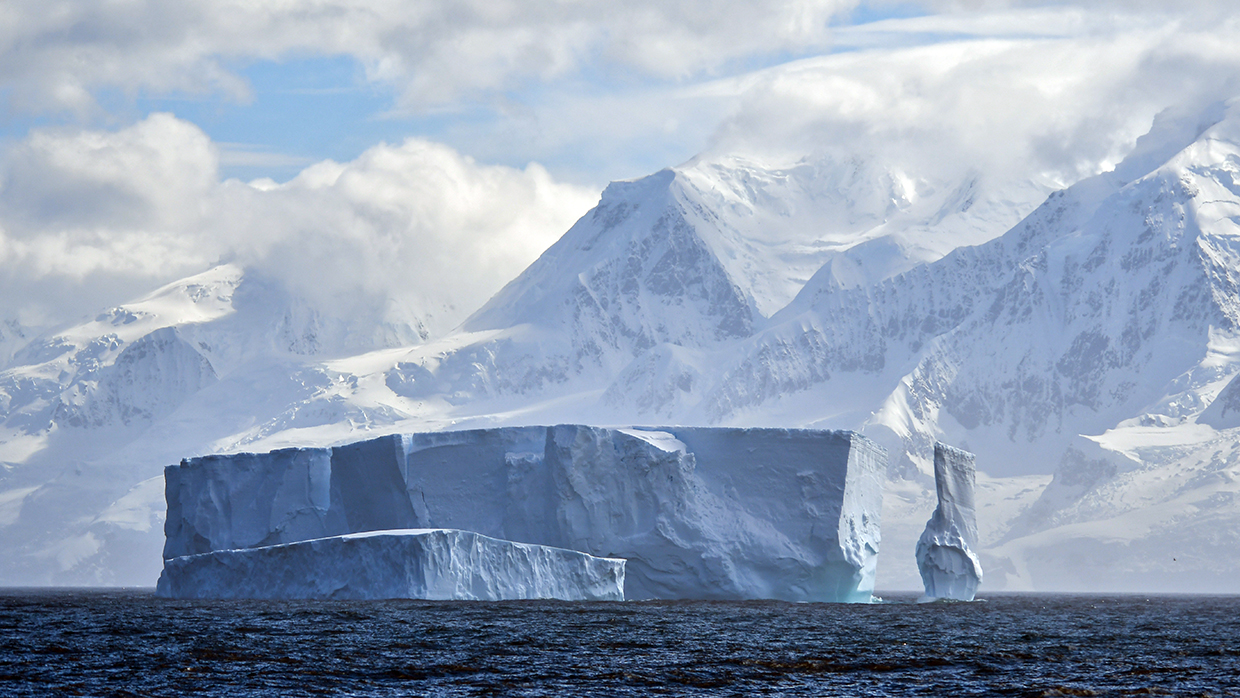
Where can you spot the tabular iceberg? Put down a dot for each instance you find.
(437, 564)
(709, 513)
(949, 567)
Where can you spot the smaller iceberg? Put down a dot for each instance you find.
(434, 564)
(949, 567)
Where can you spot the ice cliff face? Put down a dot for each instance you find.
(698, 513)
(946, 554)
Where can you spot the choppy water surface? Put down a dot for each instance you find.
(131, 643)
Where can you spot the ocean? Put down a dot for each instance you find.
(130, 643)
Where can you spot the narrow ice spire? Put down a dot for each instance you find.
(949, 567)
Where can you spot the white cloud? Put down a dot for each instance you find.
(418, 226)
(82, 179)
(55, 54)
(1054, 87)
(1060, 105)
(1201, 8)
(90, 218)
(576, 84)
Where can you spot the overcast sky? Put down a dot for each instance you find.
(422, 153)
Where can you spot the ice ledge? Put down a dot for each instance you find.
(433, 564)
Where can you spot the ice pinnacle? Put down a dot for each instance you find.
(945, 553)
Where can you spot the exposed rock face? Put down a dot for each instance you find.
(945, 554)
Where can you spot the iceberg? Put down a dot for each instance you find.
(702, 513)
(945, 553)
(440, 564)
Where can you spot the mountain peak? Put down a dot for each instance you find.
(634, 272)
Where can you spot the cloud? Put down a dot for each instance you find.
(416, 226)
(1044, 88)
(55, 55)
(90, 218)
(1063, 98)
(82, 180)
(575, 84)
(1204, 9)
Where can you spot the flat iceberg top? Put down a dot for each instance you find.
(664, 437)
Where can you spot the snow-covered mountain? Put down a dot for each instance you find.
(1084, 348)
(690, 260)
(1027, 329)
(88, 413)
(1113, 307)
(13, 336)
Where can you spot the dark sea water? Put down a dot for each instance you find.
(122, 643)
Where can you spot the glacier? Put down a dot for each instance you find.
(432, 564)
(702, 513)
(946, 559)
